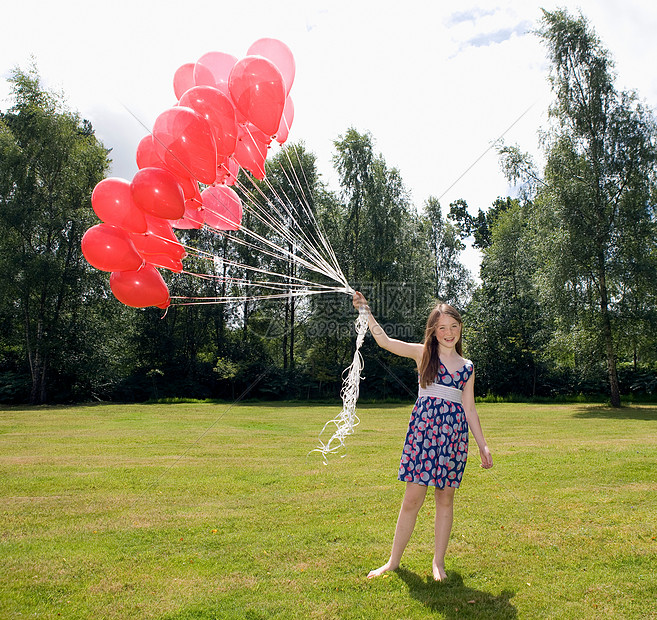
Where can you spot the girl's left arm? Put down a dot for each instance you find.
(473, 422)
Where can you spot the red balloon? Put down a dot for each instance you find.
(250, 153)
(184, 141)
(223, 208)
(227, 170)
(258, 90)
(140, 288)
(157, 192)
(218, 110)
(213, 69)
(166, 262)
(112, 202)
(255, 133)
(183, 79)
(280, 54)
(148, 158)
(160, 227)
(196, 197)
(109, 248)
(146, 155)
(158, 239)
(286, 121)
(193, 218)
(189, 187)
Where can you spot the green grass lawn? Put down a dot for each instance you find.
(193, 511)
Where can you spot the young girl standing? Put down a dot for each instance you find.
(436, 446)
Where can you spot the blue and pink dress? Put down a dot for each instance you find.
(436, 446)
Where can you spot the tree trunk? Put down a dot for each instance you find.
(614, 391)
(246, 320)
(292, 306)
(285, 324)
(39, 368)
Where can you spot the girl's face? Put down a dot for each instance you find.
(448, 331)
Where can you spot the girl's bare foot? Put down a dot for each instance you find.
(439, 573)
(383, 569)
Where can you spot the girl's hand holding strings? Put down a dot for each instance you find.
(360, 301)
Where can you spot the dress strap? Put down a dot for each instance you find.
(445, 392)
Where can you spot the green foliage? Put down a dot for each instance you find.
(504, 326)
(568, 273)
(600, 181)
(453, 282)
(49, 163)
(478, 227)
(594, 220)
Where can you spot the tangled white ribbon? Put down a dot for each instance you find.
(347, 420)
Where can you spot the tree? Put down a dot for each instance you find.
(478, 227)
(292, 185)
(50, 162)
(504, 323)
(595, 206)
(384, 245)
(453, 283)
(353, 162)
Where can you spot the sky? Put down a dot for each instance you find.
(435, 82)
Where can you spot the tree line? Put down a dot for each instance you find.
(565, 301)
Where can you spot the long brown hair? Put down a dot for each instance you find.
(430, 364)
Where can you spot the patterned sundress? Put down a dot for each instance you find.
(436, 446)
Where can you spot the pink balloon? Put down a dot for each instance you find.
(223, 208)
(108, 248)
(256, 134)
(140, 288)
(258, 91)
(184, 141)
(286, 121)
(157, 192)
(183, 79)
(280, 54)
(213, 69)
(218, 110)
(250, 153)
(193, 218)
(227, 170)
(112, 202)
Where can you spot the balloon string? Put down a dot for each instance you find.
(347, 420)
(490, 146)
(300, 242)
(279, 286)
(312, 258)
(322, 236)
(313, 261)
(196, 301)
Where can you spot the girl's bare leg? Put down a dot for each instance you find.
(443, 527)
(413, 500)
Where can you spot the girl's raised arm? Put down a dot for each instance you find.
(398, 347)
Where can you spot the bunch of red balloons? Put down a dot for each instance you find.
(227, 114)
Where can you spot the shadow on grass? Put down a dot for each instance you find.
(620, 413)
(455, 600)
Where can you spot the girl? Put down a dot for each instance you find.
(436, 446)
